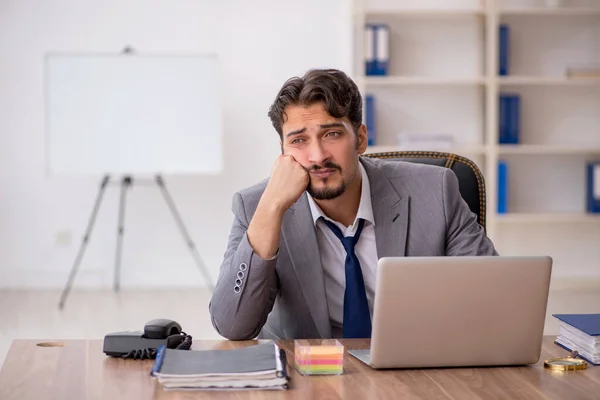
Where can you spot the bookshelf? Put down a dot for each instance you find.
(443, 78)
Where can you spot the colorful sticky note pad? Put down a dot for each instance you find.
(319, 357)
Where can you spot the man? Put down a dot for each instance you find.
(302, 253)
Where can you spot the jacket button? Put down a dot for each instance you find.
(237, 289)
(240, 274)
(243, 267)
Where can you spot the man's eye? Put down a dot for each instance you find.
(296, 141)
(333, 133)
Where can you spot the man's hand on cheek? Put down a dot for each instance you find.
(289, 179)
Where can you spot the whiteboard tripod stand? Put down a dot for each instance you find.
(126, 183)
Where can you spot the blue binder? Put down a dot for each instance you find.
(593, 187)
(377, 51)
(503, 46)
(503, 119)
(382, 51)
(370, 119)
(502, 187)
(587, 323)
(369, 49)
(509, 119)
(514, 119)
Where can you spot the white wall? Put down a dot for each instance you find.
(42, 220)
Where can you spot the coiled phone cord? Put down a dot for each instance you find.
(150, 353)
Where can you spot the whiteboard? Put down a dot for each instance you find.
(132, 114)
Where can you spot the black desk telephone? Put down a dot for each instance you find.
(143, 345)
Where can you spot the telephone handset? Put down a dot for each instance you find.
(161, 329)
(143, 345)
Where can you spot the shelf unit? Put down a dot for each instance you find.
(443, 68)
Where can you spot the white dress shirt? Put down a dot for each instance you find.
(333, 255)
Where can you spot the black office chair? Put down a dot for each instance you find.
(470, 179)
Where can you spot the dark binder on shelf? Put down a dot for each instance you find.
(580, 332)
(503, 119)
(370, 119)
(509, 118)
(593, 187)
(514, 120)
(503, 46)
(259, 367)
(369, 50)
(502, 187)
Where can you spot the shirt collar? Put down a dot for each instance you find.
(365, 207)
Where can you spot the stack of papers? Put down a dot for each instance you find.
(580, 332)
(261, 366)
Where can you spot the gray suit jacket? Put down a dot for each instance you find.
(418, 211)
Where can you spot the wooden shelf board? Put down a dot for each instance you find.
(532, 149)
(543, 80)
(435, 12)
(456, 150)
(416, 80)
(541, 11)
(547, 217)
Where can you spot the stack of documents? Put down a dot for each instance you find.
(261, 366)
(580, 332)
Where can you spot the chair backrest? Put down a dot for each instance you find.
(470, 179)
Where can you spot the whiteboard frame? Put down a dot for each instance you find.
(215, 168)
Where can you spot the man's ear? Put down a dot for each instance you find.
(281, 146)
(362, 139)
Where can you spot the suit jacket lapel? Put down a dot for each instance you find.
(301, 241)
(390, 211)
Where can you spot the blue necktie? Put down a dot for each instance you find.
(357, 318)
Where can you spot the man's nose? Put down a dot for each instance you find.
(318, 154)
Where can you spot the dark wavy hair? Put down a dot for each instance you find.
(335, 89)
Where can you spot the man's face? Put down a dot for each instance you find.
(325, 146)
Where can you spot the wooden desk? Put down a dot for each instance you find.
(80, 370)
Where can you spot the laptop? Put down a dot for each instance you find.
(458, 312)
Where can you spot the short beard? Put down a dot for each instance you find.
(326, 193)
